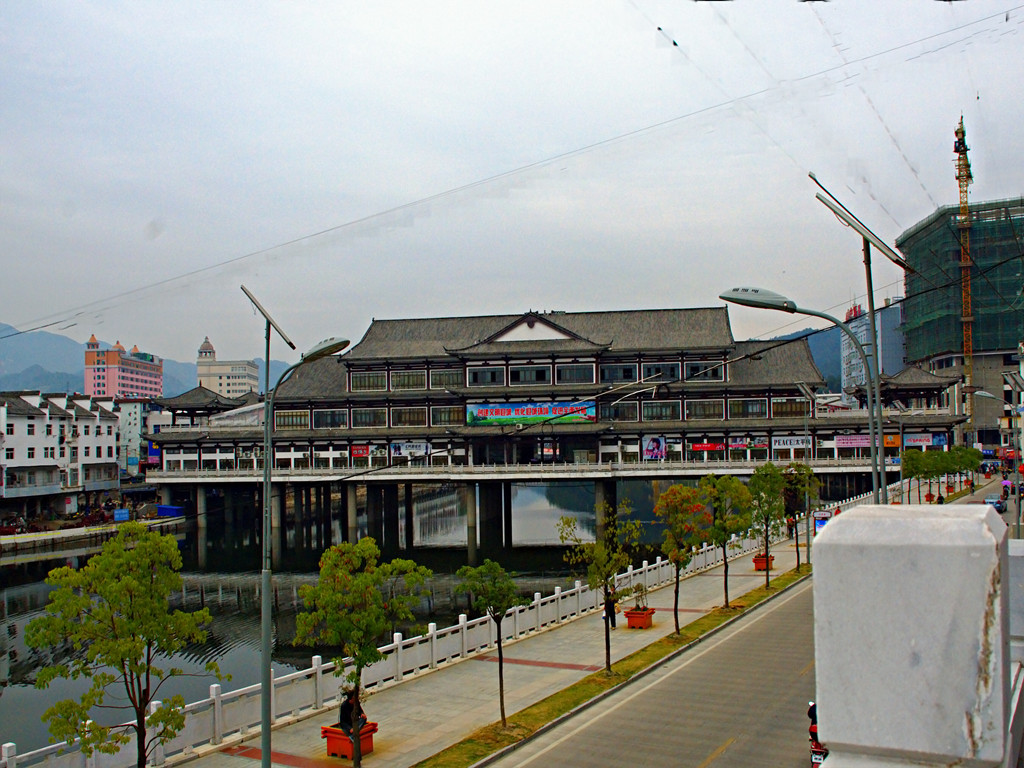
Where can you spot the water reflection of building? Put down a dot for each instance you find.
(440, 519)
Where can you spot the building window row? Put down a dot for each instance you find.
(361, 418)
(455, 415)
(534, 374)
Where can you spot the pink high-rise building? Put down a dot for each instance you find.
(116, 373)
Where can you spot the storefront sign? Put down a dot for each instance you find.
(360, 451)
(410, 449)
(891, 441)
(918, 439)
(707, 447)
(797, 441)
(742, 444)
(480, 414)
(853, 441)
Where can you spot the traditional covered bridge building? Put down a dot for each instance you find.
(595, 396)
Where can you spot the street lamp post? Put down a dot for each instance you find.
(324, 348)
(808, 393)
(760, 298)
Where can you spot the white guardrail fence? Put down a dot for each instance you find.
(229, 717)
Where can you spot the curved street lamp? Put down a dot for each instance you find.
(323, 349)
(759, 298)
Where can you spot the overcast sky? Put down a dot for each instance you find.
(351, 160)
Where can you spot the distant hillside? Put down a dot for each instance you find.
(49, 362)
(825, 349)
(49, 351)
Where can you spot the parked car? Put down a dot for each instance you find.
(996, 501)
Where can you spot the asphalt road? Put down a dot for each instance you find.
(737, 700)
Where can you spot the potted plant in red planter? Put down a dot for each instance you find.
(640, 616)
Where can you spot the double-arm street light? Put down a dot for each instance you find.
(759, 298)
(323, 349)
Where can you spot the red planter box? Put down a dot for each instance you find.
(639, 619)
(340, 745)
(762, 563)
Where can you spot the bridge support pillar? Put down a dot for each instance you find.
(506, 513)
(276, 503)
(911, 636)
(390, 546)
(491, 527)
(375, 513)
(408, 505)
(200, 505)
(351, 527)
(298, 498)
(468, 493)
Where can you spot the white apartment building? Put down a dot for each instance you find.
(137, 417)
(54, 449)
(230, 378)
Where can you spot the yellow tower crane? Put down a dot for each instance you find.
(964, 178)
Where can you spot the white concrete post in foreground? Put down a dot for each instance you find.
(911, 636)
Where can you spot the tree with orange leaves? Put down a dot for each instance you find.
(684, 515)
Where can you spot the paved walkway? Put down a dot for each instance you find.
(426, 713)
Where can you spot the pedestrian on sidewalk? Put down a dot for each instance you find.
(609, 607)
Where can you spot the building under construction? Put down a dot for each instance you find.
(934, 316)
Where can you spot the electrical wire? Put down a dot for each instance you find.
(118, 299)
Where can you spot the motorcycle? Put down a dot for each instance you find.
(818, 750)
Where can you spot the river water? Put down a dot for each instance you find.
(221, 572)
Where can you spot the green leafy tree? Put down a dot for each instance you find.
(603, 558)
(353, 605)
(801, 491)
(493, 592)
(965, 459)
(767, 506)
(728, 504)
(682, 512)
(115, 613)
(914, 466)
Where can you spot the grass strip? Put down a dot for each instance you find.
(523, 724)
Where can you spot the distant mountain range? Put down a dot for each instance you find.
(49, 362)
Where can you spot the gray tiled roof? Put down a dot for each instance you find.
(56, 411)
(319, 379)
(776, 362)
(914, 376)
(626, 330)
(18, 407)
(198, 397)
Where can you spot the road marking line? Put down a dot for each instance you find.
(688, 659)
(716, 754)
